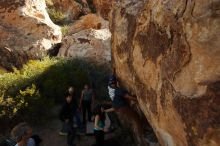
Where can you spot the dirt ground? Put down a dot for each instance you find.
(50, 134)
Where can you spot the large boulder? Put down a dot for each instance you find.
(168, 54)
(69, 9)
(103, 7)
(13, 58)
(25, 25)
(88, 39)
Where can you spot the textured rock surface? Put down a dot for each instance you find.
(71, 9)
(168, 54)
(13, 58)
(87, 22)
(89, 39)
(103, 7)
(25, 25)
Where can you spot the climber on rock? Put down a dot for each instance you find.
(121, 107)
(118, 95)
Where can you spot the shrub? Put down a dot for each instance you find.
(49, 2)
(2, 71)
(76, 72)
(29, 92)
(55, 15)
(65, 30)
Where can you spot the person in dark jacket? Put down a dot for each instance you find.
(76, 109)
(120, 105)
(66, 116)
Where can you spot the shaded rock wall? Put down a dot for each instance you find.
(13, 58)
(25, 25)
(168, 54)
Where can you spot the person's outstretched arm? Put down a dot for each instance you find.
(129, 97)
(97, 118)
(110, 110)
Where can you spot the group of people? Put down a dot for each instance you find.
(72, 110)
(70, 113)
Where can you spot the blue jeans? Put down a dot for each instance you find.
(71, 133)
(78, 119)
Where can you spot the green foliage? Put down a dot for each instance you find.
(34, 104)
(19, 94)
(11, 83)
(72, 72)
(2, 71)
(65, 30)
(31, 91)
(55, 15)
(49, 2)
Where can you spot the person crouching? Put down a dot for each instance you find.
(99, 125)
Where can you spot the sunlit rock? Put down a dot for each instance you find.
(168, 54)
(25, 25)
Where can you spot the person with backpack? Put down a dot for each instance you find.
(99, 124)
(22, 135)
(86, 101)
(66, 116)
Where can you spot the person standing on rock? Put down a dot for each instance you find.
(86, 101)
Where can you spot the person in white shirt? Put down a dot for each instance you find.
(22, 134)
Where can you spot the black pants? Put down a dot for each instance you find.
(86, 108)
(71, 133)
(99, 137)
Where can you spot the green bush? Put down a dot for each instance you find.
(55, 15)
(29, 92)
(65, 30)
(20, 97)
(2, 71)
(72, 72)
(49, 2)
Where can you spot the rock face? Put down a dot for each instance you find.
(71, 9)
(88, 39)
(103, 7)
(25, 25)
(13, 58)
(168, 54)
